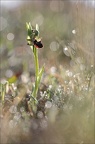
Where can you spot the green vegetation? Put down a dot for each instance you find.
(47, 87)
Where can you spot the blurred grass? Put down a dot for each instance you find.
(75, 122)
(53, 25)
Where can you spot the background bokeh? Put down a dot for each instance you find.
(66, 95)
(62, 24)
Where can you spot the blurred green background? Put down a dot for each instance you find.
(62, 23)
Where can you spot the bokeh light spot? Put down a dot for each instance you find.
(9, 73)
(10, 36)
(53, 70)
(3, 81)
(25, 78)
(10, 4)
(74, 31)
(54, 46)
(48, 104)
(66, 51)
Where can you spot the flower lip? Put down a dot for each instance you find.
(38, 43)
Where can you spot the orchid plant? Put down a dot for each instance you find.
(35, 43)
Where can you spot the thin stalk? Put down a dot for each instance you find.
(36, 61)
(3, 93)
(36, 71)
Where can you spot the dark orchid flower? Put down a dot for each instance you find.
(33, 36)
(35, 42)
(38, 43)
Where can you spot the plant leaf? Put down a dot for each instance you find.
(40, 75)
(30, 27)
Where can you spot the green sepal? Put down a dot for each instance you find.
(29, 29)
(37, 29)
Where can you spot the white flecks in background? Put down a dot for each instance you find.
(53, 70)
(9, 73)
(10, 36)
(66, 82)
(68, 90)
(66, 51)
(3, 81)
(74, 31)
(49, 87)
(59, 89)
(54, 46)
(25, 77)
(92, 66)
(48, 104)
(69, 73)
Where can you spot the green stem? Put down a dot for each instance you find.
(3, 93)
(36, 61)
(36, 71)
